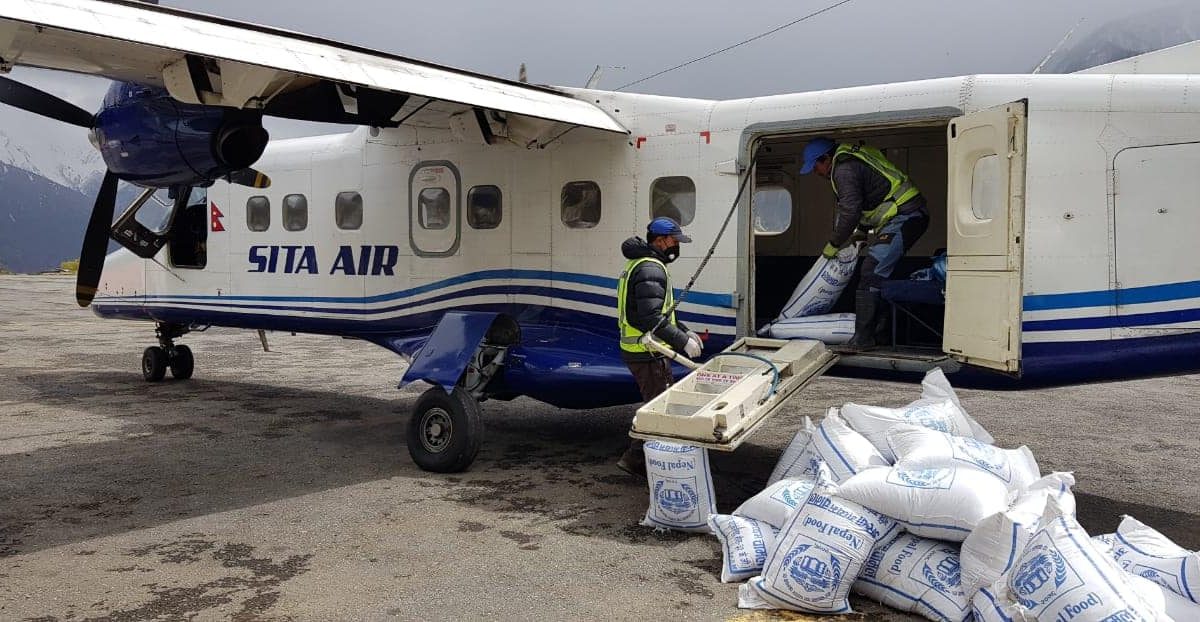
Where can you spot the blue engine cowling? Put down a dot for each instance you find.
(149, 138)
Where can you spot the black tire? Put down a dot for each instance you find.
(182, 363)
(445, 431)
(154, 363)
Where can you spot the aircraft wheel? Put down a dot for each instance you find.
(154, 363)
(445, 431)
(182, 363)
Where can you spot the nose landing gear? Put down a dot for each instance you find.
(157, 359)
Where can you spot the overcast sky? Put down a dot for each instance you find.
(862, 42)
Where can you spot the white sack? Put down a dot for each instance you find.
(833, 442)
(822, 286)
(681, 489)
(917, 575)
(991, 548)
(745, 543)
(987, 608)
(937, 387)
(1161, 599)
(819, 552)
(944, 503)
(922, 448)
(775, 503)
(832, 328)
(1143, 551)
(873, 422)
(1061, 575)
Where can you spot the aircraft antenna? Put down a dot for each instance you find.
(738, 44)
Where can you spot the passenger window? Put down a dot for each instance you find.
(258, 213)
(772, 209)
(433, 208)
(581, 204)
(189, 233)
(484, 207)
(986, 193)
(348, 210)
(675, 198)
(295, 212)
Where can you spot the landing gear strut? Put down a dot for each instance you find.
(156, 359)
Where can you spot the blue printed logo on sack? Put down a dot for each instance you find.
(1039, 579)
(1164, 579)
(676, 499)
(922, 478)
(812, 572)
(941, 571)
(925, 416)
(984, 456)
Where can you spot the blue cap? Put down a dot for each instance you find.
(666, 226)
(813, 151)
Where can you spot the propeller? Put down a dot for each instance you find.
(40, 102)
(95, 241)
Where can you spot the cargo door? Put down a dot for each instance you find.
(986, 204)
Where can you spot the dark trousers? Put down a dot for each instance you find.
(653, 376)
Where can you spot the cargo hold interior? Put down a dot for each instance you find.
(793, 219)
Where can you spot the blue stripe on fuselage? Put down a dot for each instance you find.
(708, 299)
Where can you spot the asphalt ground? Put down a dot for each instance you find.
(277, 485)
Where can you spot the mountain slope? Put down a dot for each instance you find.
(41, 221)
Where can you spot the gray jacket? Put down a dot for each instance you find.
(860, 188)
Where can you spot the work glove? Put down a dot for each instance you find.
(692, 335)
(693, 347)
(830, 251)
(859, 235)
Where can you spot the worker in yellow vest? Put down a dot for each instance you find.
(644, 296)
(876, 200)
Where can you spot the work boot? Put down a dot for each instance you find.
(866, 311)
(633, 461)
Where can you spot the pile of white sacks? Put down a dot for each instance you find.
(915, 508)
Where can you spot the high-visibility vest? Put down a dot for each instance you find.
(902, 189)
(629, 334)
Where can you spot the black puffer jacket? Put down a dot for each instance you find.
(644, 295)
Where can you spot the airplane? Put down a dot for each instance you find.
(471, 224)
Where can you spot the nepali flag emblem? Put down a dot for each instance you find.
(216, 217)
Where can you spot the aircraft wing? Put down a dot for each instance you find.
(215, 61)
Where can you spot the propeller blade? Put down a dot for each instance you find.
(250, 177)
(95, 241)
(40, 102)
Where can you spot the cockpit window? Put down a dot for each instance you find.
(155, 213)
(189, 232)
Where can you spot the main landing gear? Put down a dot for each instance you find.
(446, 428)
(156, 359)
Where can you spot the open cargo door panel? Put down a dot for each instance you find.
(986, 205)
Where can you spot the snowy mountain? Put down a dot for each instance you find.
(1144, 32)
(75, 166)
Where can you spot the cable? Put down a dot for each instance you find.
(763, 359)
(738, 44)
(711, 249)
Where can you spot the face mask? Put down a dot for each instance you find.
(671, 253)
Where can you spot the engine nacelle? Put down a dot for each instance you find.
(149, 138)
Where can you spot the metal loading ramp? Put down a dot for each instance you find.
(721, 403)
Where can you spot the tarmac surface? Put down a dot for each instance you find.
(277, 486)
